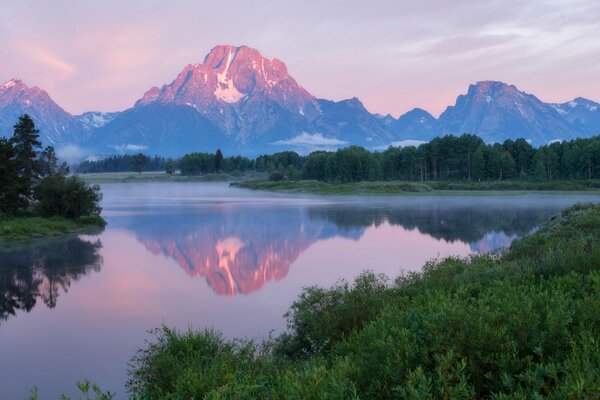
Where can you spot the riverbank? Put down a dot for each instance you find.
(115, 177)
(523, 323)
(30, 227)
(318, 187)
(399, 187)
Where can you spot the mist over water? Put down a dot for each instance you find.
(206, 255)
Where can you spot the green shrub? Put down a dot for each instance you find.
(68, 197)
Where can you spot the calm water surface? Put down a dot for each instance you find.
(206, 255)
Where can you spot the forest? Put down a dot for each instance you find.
(447, 158)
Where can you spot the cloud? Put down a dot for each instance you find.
(403, 143)
(307, 139)
(71, 153)
(122, 148)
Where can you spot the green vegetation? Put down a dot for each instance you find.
(462, 159)
(23, 227)
(399, 187)
(115, 177)
(37, 197)
(87, 390)
(520, 324)
(313, 186)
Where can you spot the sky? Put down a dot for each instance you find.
(393, 55)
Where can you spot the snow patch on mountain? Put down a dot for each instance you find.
(225, 89)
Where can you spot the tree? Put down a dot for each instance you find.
(68, 197)
(139, 162)
(170, 166)
(26, 143)
(48, 163)
(218, 160)
(9, 180)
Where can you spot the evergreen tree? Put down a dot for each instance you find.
(26, 143)
(170, 166)
(139, 162)
(9, 180)
(218, 160)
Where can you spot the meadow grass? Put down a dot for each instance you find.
(19, 228)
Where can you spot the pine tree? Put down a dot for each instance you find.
(26, 143)
(218, 160)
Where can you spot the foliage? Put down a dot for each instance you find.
(170, 167)
(119, 163)
(519, 324)
(139, 162)
(68, 197)
(87, 390)
(29, 227)
(311, 186)
(31, 179)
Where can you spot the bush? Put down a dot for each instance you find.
(68, 197)
(276, 177)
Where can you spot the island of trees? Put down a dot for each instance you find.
(37, 195)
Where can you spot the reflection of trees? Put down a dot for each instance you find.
(43, 271)
(457, 223)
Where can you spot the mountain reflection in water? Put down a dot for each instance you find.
(238, 249)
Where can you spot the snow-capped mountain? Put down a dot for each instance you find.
(497, 111)
(55, 124)
(416, 124)
(582, 113)
(244, 103)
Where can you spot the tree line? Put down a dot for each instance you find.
(33, 181)
(447, 158)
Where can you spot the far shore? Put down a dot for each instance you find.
(404, 188)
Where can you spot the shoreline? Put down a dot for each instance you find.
(416, 188)
(23, 228)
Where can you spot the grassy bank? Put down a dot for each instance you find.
(398, 187)
(522, 324)
(114, 177)
(318, 187)
(30, 227)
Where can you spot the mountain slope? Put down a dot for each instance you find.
(582, 114)
(497, 111)
(55, 124)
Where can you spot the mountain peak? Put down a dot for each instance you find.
(15, 82)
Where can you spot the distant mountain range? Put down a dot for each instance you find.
(244, 103)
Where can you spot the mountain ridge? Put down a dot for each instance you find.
(241, 101)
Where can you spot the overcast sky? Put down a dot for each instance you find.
(394, 55)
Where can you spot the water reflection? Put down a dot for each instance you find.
(239, 249)
(43, 271)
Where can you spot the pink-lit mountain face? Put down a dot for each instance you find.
(17, 99)
(240, 91)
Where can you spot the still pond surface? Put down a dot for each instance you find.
(206, 255)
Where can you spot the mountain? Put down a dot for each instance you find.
(416, 124)
(497, 111)
(55, 124)
(244, 100)
(583, 114)
(244, 103)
